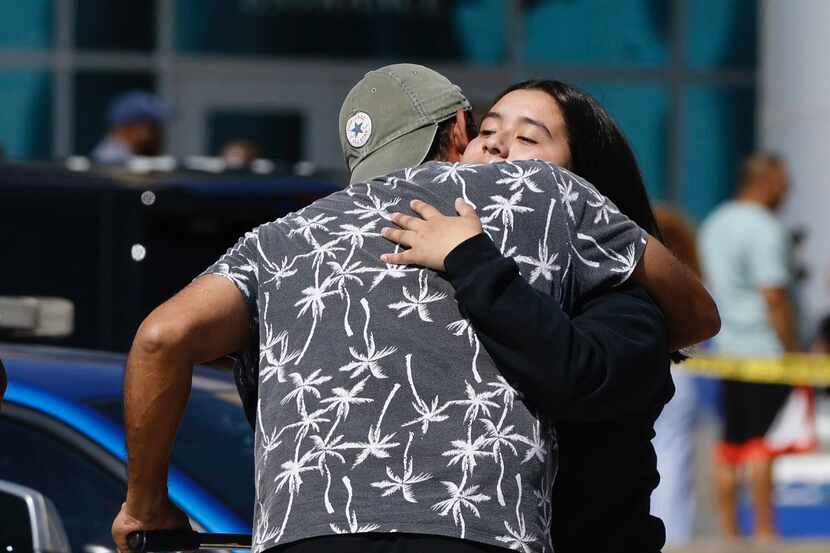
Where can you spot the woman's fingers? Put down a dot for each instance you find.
(406, 221)
(400, 258)
(464, 209)
(398, 236)
(424, 209)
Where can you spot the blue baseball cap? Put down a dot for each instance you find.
(137, 105)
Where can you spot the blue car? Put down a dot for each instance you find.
(61, 433)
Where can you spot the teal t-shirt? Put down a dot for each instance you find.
(744, 249)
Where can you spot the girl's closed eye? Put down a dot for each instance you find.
(527, 140)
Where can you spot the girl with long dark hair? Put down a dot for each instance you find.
(604, 412)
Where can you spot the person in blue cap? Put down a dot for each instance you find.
(136, 128)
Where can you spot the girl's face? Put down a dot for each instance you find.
(524, 124)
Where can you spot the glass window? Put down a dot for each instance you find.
(719, 133)
(26, 117)
(93, 93)
(426, 30)
(26, 24)
(722, 33)
(108, 25)
(86, 496)
(277, 135)
(641, 112)
(605, 32)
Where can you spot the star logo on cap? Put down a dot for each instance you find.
(359, 129)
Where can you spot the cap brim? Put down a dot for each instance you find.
(406, 151)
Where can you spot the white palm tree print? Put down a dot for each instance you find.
(505, 390)
(518, 177)
(377, 208)
(409, 175)
(276, 273)
(274, 364)
(290, 476)
(604, 208)
(405, 481)
(417, 303)
(460, 498)
(342, 399)
(369, 361)
(268, 441)
(351, 516)
(518, 538)
(312, 301)
(305, 226)
(427, 413)
(505, 209)
(303, 385)
(390, 270)
(568, 195)
(627, 262)
(475, 402)
(376, 444)
(308, 421)
(536, 445)
(463, 327)
(454, 173)
(467, 451)
(340, 276)
(357, 234)
(544, 264)
(323, 449)
(499, 435)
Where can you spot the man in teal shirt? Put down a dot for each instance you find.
(745, 255)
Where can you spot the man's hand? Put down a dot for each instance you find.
(433, 237)
(166, 516)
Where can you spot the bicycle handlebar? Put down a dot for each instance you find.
(145, 541)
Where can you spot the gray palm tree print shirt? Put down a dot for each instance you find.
(378, 409)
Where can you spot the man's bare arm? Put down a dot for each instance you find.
(691, 313)
(206, 320)
(781, 317)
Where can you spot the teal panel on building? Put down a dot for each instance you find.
(26, 117)
(719, 133)
(451, 31)
(26, 24)
(641, 111)
(597, 32)
(722, 33)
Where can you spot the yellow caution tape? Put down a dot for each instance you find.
(796, 369)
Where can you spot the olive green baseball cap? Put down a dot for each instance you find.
(389, 119)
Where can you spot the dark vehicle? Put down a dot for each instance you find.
(61, 435)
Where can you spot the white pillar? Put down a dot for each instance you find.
(794, 120)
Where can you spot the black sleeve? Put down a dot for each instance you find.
(609, 360)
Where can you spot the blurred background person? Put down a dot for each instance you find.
(674, 498)
(745, 254)
(136, 128)
(239, 152)
(821, 342)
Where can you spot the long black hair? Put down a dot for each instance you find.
(600, 152)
